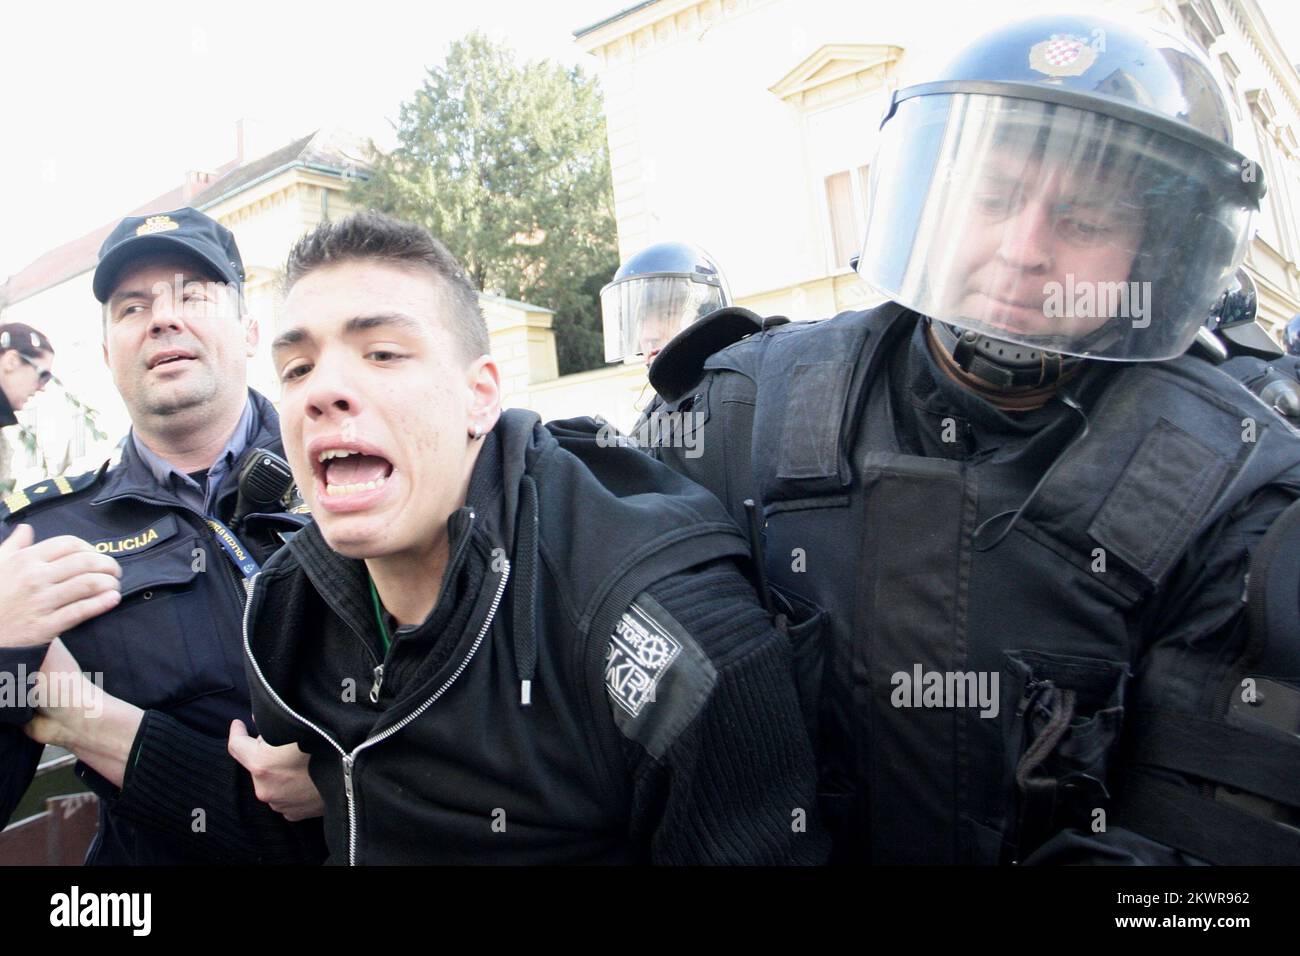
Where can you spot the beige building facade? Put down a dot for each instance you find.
(744, 126)
(268, 202)
(748, 127)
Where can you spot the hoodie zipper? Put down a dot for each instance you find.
(349, 759)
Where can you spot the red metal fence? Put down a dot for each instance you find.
(60, 834)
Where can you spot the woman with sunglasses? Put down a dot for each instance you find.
(25, 360)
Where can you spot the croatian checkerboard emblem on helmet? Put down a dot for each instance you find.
(1062, 55)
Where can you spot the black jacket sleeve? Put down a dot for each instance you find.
(721, 766)
(19, 754)
(186, 785)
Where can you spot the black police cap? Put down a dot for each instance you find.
(186, 231)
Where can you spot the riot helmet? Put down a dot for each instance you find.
(1291, 336)
(654, 295)
(1238, 305)
(1232, 324)
(1065, 187)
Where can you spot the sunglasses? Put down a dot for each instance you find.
(43, 375)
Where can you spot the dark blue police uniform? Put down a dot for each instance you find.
(172, 647)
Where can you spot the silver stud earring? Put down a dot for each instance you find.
(478, 432)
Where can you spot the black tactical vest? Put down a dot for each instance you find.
(973, 700)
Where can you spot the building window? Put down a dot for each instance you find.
(1277, 225)
(1271, 228)
(846, 205)
(1283, 188)
(1230, 75)
(1201, 22)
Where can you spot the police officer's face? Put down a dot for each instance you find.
(22, 376)
(657, 329)
(1032, 227)
(378, 406)
(175, 340)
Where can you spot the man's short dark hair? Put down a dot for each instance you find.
(374, 236)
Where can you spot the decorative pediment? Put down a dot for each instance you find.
(1261, 103)
(1288, 138)
(862, 65)
(1201, 21)
(1230, 68)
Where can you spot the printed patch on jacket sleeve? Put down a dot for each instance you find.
(657, 676)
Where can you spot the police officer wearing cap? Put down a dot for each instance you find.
(25, 359)
(1027, 511)
(135, 575)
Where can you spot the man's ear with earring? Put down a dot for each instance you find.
(485, 396)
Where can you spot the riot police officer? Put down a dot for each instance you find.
(1241, 347)
(135, 574)
(1291, 336)
(670, 300)
(1027, 511)
(656, 294)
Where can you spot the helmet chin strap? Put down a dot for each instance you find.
(1001, 366)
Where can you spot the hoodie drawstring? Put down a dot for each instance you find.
(525, 582)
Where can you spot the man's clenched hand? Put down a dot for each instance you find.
(279, 774)
(51, 586)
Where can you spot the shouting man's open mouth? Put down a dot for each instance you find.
(349, 475)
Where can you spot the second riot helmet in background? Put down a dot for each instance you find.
(655, 294)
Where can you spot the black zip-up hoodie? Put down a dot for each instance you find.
(597, 683)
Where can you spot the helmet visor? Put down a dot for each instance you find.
(1052, 227)
(643, 313)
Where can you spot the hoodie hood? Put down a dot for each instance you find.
(545, 498)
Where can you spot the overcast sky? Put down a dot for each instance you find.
(104, 109)
(105, 105)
